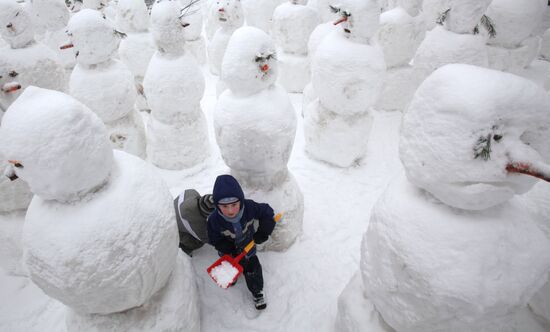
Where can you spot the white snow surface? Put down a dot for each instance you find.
(259, 13)
(450, 112)
(110, 251)
(224, 274)
(429, 267)
(293, 71)
(77, 157)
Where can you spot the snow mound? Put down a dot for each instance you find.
(110, 251)
(77, 158)
(463, 111)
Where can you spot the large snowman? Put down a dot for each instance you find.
(99, 235)
(103, 83)
(177, 135)
(347, 75)
(24, 61)
(448, 247)
(255, 128)
(293, 23)
(230, 16)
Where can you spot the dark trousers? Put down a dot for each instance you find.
(252, 270)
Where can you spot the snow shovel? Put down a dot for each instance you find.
(227, 269)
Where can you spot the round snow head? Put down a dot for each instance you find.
(93, 37)
(57, 145)
(249, 64)
(469, 130)
(230, 13)
(358, 18)
(167, 27)
(464, 16)
(15, 24)
(132, 16)
(292, 26)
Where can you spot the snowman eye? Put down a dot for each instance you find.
(346, 13)
(13, 73)
(334, 9)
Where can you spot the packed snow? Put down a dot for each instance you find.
(224, 274)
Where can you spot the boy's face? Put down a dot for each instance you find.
(230, 210)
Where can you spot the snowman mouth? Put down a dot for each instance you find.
(223, 19)
(346, 30)
(11, 87)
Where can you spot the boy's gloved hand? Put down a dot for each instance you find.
(260, 238)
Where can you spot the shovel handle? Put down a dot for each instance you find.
(245, 251)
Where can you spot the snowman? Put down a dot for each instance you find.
(347, 75)
(255, 126)
(259, 13)
(230, 17)
(136, 50)
(24, 61)
(177, 136)
(51, 18)
(102, 83)
(293, 23)
(193, 34)
(399, 35)
(516, 43)
(449, 247)
(459, 37)
(99, 235)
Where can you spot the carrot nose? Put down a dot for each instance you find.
(527, 169)
(11, 87)
(343, 19)
(15, 163)
(264, 68)
(66, 46)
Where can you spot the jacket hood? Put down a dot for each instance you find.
(227, 186)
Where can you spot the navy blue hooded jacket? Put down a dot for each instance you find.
(256, 222)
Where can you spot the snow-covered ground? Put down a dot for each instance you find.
(302, 284)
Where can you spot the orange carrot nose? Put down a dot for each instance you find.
(221, 10)
(527, 169)
(264, 68)
(15, 163)
(66, 46)
(343, 19)
(11, 87)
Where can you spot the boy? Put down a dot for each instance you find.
(232, 226)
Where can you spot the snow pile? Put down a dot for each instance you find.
(516, 43)
(347, 76)
(104, 84)
(224, 274)
(76, 252)
(422, 259)
(177, 135)
(230, 17)
(293, 23)
(255, 127)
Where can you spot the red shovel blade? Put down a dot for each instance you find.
(225, 271)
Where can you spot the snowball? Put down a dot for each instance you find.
(292, 25)
(136, 51)
(77, 158)
(224, 274)
(428, 267)
(441, 47)
(347, 76)
(453, 114)
(248, 51)
(399, 35)
(16, 22)
(515, 20)
(294, 71)
(32, 65)
(176, 307)
(255, 133)
(93, 37)
(178, 145)
(464, 15)
(108, 89)
(131, 16)
(167, 27)
(109, 252)
(338, 139)
(174, 86)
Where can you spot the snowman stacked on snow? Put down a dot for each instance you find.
(230, 17)
(103, 83)
(516, 44)
(255, 128)
(137, 48)
(99, 235)
(177, 135)
(293, 22)
(458, 37)
(401, 31)
(448, 248)
(347, 76)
